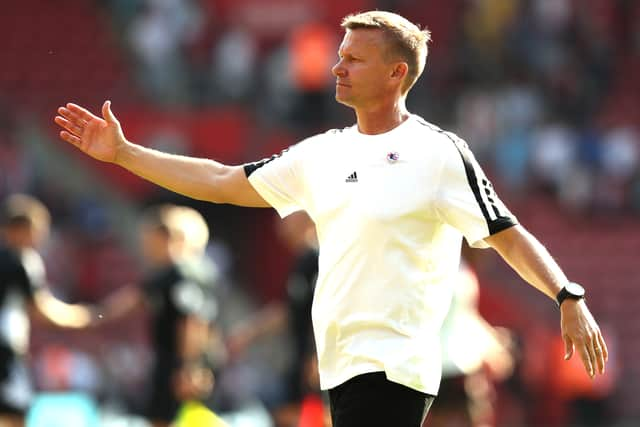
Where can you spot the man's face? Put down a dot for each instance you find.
(26, 236)
(154, 245)
(362, 74)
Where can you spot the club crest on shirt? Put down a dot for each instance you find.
(393, 156)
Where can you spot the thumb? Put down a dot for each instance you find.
(568, 348)
(107, 114)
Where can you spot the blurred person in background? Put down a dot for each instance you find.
(157, 37)
(391, 197)
(467, 397)
(294, 316)
(24, 294)
(311, 51)
(178, 295)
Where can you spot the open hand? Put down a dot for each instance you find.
(101, 138)
(581, 333)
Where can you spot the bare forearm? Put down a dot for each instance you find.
(103, 139)
(530, 259)
(271, 320)
(189, 176)
(535, 265)
(59, 312)
(193, 338)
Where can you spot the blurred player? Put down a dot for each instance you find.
(24, 225)
(466, 397)
(298, 232)
(177, 295)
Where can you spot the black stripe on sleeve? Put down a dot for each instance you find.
(250, 168)
(502, 223)
(472, 179)
(495, 225)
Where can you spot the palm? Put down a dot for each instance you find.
(98, 137)
(99, 140)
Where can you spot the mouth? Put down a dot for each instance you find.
(342, 84)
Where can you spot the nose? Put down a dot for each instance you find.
(337, 70)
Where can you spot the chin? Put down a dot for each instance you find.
(344, 101)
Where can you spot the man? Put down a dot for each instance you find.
(24, 225)
(173, 240)
(391, 197)
(298, 232)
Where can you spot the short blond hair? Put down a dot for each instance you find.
(407, 41)
(180, 223)
(24, 210)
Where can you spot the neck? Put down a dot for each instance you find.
(382, 119)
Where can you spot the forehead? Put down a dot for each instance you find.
(362, 40)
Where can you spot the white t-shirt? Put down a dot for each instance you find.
(390, 212)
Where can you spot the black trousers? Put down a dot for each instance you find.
(370, 400)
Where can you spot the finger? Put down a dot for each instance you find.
(107, 114)
(603, 346)
(590, 346)
(84, 114)
(69, 115)
(568, 347)
(70, 138)
(72, 128)
(597, 351)
(586, 359)
(605, 350)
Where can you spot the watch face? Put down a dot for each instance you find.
(575, 289)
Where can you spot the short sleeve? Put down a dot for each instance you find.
(190, 299)
(466, 198)
(280, 179)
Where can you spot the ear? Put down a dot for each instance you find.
(399, 70)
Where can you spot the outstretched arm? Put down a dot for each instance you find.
(58, 312)
(268, 321)
(526, 255)
(120, 303)
(102, 138)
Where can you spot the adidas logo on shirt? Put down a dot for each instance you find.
(352, 178)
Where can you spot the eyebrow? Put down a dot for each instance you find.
(342, 53)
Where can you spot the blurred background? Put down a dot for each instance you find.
(546, 92)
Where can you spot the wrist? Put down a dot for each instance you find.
(570, 292)
(123, 152)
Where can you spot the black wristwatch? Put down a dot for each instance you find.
(571, 290)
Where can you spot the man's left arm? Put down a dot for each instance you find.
(531, 260)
